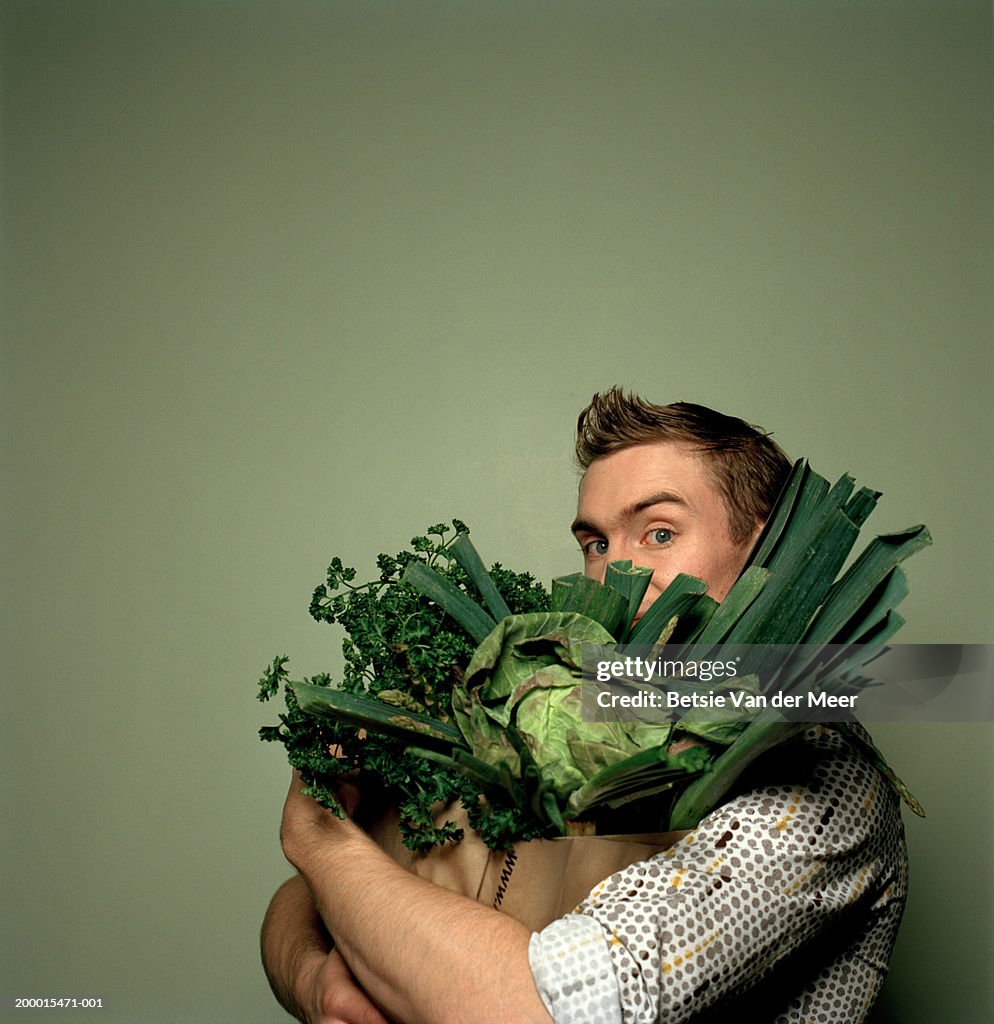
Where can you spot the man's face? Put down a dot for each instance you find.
(658, 505)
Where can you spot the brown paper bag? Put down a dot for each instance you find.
(537, 882)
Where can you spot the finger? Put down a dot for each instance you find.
(348, 794)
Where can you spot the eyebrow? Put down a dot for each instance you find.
(628, 513)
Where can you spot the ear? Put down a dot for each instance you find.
(757, 530)
(749, 543)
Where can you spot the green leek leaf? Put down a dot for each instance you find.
(374, 716)
(705, 793)
(468, 557)
(631, 582)
(449, 597)
(584, 596)
(677, 599)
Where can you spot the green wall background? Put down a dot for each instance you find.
(284, 280)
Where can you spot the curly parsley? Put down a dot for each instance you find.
(403, 649)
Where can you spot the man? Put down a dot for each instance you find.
(782, 905)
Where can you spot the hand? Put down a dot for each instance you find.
(305, 822)
(309, 978)
(387, 923)
(331, 995)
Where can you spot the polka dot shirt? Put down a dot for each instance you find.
(781, 906)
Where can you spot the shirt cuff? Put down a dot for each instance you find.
(573, 972)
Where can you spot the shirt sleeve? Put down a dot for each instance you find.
(770, 873)
(574, 972)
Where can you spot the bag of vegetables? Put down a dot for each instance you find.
(461, 705)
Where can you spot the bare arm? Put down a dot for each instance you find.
(422, 953)
(309, 978)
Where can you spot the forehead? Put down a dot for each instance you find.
(621, 481)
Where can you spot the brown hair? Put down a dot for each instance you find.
(748, 466)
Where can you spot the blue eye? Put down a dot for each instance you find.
(660, 536)
(595, 548)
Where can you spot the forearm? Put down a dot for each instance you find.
(294, 944)
(426, 955)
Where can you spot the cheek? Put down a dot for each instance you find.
(719, 569)
(720, 588)
(661, 579)
(725, 572)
